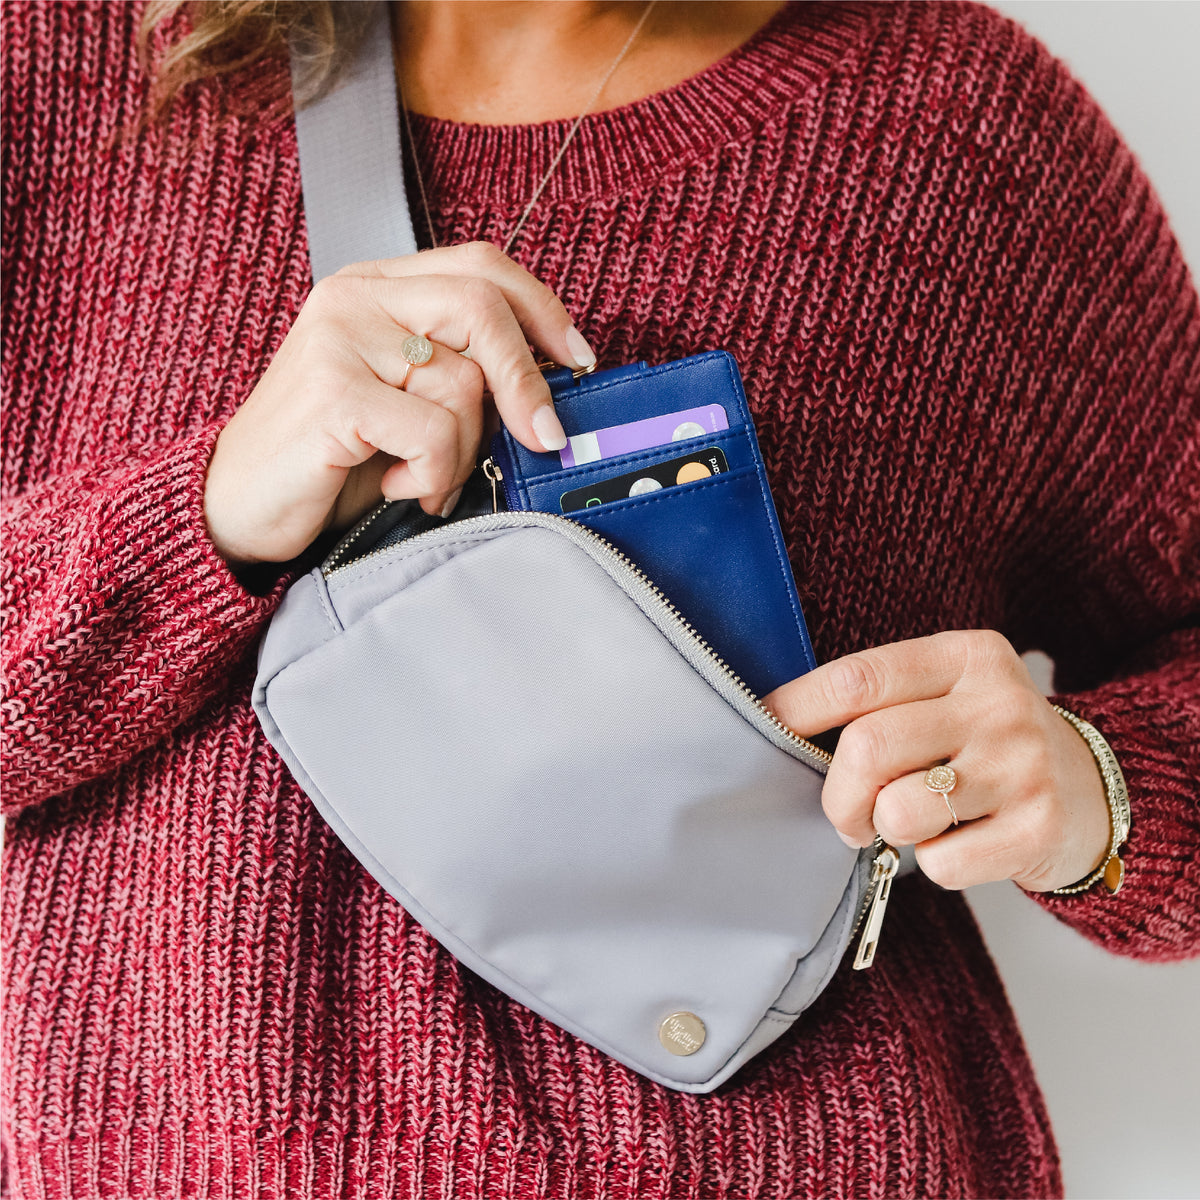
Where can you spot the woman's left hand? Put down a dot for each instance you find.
(1028, 797)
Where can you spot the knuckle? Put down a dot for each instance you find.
(481, 299)
(328, 385)
(466, 378)
(522, 377)
(837, 801)
(319, 384)
(515, 379)
(949, 875)
(333, 295)
(863, 746)
(897, 819)
(854, 682)
(988, 652)
(349, 418)
(434, 470)
(945, 867)
(546, 301)
(440, 432)
(481, 256)
(1014, 710)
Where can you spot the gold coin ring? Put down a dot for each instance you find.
(416, 351)
(943, 779)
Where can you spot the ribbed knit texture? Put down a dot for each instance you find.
(974, 355)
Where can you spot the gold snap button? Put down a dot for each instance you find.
(682, 1033)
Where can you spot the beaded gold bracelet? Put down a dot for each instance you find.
(1112, 869)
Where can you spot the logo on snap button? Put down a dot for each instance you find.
(682, 1033)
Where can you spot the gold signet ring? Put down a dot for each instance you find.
(416, 351)
(943, 780)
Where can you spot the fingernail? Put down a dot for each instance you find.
(581, 352)
(548, 428)
(848, 840)
(450, 504)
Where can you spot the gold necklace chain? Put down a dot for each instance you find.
(541, 187)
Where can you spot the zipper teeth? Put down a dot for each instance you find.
(717, 660)
(334, 561)
(872, 887)
(334, 565)
(733, 677)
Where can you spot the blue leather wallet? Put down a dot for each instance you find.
(713, 546)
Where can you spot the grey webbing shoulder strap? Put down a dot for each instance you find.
(350, 162)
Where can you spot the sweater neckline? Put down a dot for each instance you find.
(497, 166)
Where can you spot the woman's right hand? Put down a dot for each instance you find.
(328, 430)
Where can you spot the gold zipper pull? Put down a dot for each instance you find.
(883, 871)
(493, 474)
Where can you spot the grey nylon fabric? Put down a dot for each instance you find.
(355, 204)
(522, 756)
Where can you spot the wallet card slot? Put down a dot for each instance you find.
(677, 492)
(545, 491)
(702, 378)
(634, 458)
(615, 398)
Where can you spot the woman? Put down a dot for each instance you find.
(974, 353)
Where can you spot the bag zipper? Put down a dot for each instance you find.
(874, 903)
(886, 862)
(336, 556)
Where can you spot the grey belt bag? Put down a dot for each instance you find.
(529, 748)
(524, 743)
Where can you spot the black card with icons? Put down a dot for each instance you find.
(701, 464)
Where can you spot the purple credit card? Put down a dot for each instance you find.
(642, 435)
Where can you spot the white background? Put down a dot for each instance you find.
(1116, 1044)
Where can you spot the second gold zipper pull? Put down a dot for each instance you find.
(494, 476)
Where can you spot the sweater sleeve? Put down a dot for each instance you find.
(120, 618)
(1152, 721)
(1107, 580)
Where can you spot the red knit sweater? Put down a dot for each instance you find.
(974, 354)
